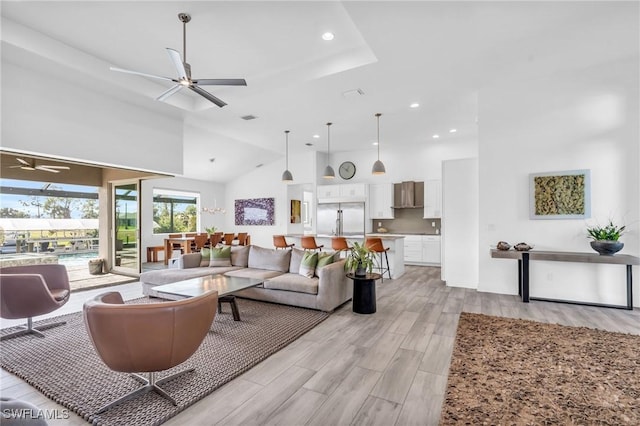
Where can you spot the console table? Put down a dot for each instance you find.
(523, 258)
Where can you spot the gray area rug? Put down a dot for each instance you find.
(517, 372)
(65, 367)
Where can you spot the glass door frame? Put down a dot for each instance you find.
(116, 266)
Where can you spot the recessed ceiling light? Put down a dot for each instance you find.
(316, 136)
(308, 144)
(436, 136)
(453, 130)
(414, 105)
(327, 36)
(374, 143)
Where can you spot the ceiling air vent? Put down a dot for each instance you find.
(248, 117)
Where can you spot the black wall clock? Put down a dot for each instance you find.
(347, 170)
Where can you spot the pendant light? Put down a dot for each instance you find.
(378, 167)
(328, 171)
(286, 175)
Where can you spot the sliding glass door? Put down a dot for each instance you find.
(126, 227)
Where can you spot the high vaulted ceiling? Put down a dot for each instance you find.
(439, 54)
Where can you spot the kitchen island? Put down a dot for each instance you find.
(393, 241)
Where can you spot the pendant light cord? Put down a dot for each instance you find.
(378, 117)
(287, 143)
(328, 144)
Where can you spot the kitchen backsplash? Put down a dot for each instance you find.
(408, 221)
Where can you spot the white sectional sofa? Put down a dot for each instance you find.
(328, 289)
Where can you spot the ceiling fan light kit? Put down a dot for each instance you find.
(286, 175)
(183, 69)
(328, 171)
(378, 166)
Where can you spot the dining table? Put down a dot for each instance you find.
(185, 244)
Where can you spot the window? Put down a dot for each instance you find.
(175, 211)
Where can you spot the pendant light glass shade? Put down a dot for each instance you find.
(286, 175)
(378, 167)
(328, 171)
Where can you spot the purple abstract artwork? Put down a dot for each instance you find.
(255, 211)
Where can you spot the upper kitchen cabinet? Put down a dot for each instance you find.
(433, 199)
(350, 191)
(381, 201)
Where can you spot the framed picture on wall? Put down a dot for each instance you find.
(255, 211)
(296, 212)
(560, 195)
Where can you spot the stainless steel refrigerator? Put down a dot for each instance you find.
(341, 219)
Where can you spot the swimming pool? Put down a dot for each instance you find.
(76, 259)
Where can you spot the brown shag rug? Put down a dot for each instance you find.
(517, 372)
(65, 367)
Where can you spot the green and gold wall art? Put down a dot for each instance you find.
(560, 195)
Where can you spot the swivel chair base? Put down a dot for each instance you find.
(29, 329)
(148, 385)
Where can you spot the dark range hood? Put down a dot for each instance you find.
(408, 195)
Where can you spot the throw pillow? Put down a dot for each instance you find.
(323, 260)
(220, 256)
(205, 257)
(308, 264)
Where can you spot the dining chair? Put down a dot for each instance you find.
(375, 244)
(215, 239)
(308, 242)
(243, 238)
(279, 241)
(228, 238)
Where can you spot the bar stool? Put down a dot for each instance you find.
(280, 242)
(308, 242)
(375, 244)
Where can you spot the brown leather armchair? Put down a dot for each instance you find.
(31, 290)
(147, 338)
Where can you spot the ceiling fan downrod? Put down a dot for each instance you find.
(184, 18)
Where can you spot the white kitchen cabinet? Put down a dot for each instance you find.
(344, 191)
(431, 249)
(432, 199)
(413, 249)
(328, 191)
(381, 200)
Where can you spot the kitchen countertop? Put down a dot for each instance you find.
(384, 236)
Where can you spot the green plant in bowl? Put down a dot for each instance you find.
(211, 230)
(360, 259)
(609, 232)
(605, 238)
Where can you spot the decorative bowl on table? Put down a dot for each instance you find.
(522, 247)
(503, 245)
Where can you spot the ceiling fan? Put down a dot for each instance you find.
(184, 72)
(26, 165)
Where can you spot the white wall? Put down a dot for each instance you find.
(210, 194)
(460, 223)
(265, 182)
(75, 122)
(587, 119)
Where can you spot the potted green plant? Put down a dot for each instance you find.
(605, 238)
(211, 230)
(360, 260)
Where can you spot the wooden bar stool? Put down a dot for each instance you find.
(280, 242)
(308, 242)
(375, 244)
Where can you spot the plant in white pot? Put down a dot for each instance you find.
(360, 260)
(605, 238)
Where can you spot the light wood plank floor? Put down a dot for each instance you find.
(389, 368)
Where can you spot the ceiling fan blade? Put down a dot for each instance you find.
(47, 169)
(53, 167)
(177, 62)
(20, 160)
(15, 167)
(221, 82)
(140, 73)
(169, 92)
(207, 95)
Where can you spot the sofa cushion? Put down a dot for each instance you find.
(240, 256)
(293, 282)
(296, 258)
(220, 256)
(205, 256)
(308, 264)
(323, 260)
(262, 274)
(166, 276)
(271, 259)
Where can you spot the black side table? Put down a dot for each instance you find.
(364, 293)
